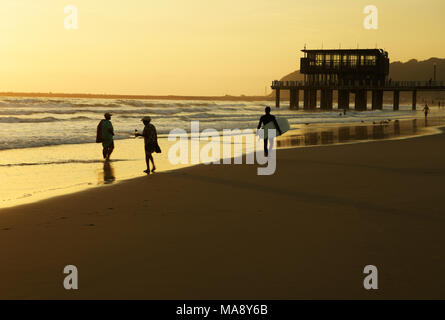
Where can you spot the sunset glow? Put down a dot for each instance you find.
(195, 47)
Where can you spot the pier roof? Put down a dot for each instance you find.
(345, 51)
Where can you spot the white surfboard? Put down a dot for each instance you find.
(282, 123)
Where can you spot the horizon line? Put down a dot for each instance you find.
(127, 96)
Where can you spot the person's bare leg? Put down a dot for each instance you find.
(110, 151)
(147, 161)
(153, 163)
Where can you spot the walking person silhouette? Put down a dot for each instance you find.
(426, 110)
(150, 141)
(105, 134)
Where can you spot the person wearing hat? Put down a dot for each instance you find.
(150, 141)
(106, 129)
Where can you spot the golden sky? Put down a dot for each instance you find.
(196, 47)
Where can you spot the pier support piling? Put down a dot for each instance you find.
(330, 98)
(310, 98)
(414, 100)
(361, 100)
(326, 99)
(377, 99)
(313, 99)
(294, 98)
(277, 98)
(306, 99)
(291, 99)
(297, 99)
(343, 99)
(396, 99)
(323, 102)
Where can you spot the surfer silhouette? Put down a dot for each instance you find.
(265, 119)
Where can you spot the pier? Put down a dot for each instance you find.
(349, 72)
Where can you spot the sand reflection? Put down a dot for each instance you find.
(308, 136)
(108, 173)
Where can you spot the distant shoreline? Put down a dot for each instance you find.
(119, 96)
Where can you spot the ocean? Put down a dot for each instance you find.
(37, 122)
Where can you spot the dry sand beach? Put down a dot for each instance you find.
(222, 232)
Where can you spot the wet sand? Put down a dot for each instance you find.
(222, 232)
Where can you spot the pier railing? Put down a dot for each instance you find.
(389, 84)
